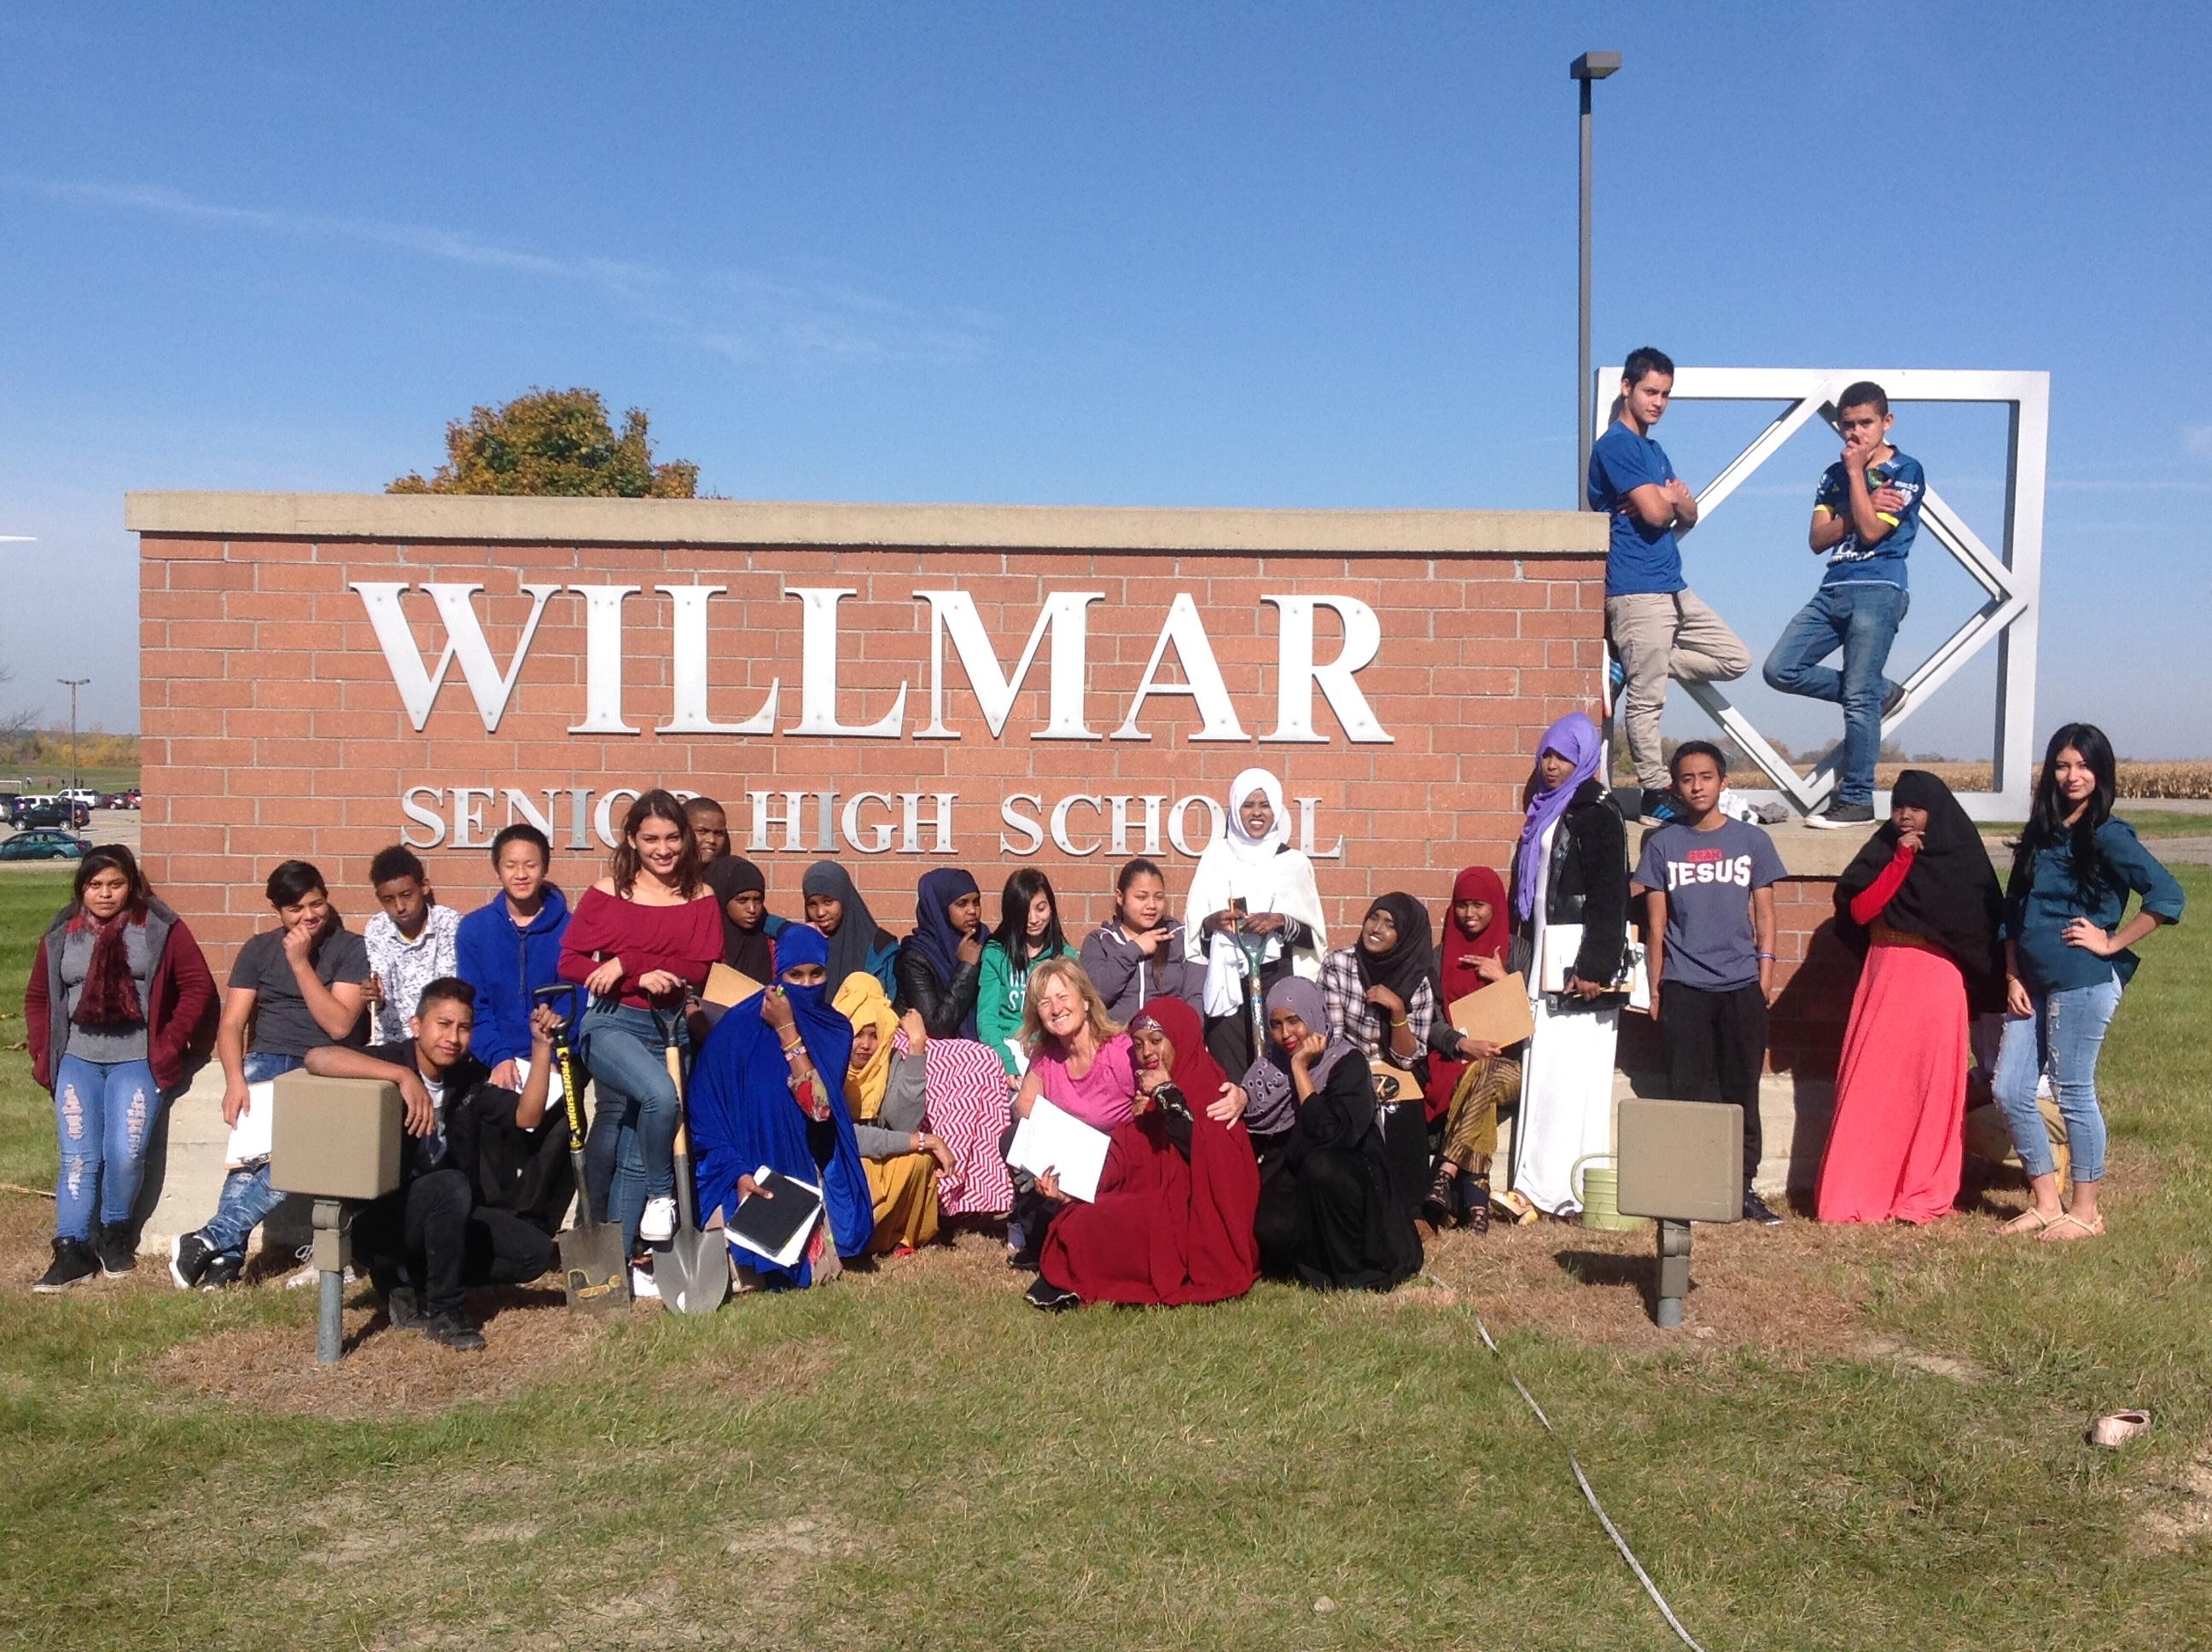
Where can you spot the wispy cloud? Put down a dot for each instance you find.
(742, 315)
(2196, 440)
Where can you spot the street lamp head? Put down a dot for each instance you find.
(1594, 65)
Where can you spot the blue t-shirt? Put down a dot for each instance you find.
(1708, 879)
(1883, 562)
(1638, 559)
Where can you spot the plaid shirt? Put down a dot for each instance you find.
(1351, 1016)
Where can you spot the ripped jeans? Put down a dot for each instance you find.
(103, 1114)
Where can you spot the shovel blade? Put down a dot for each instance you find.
(593, 1271)
(693, 1272)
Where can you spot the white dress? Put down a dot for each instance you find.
(1566, 1083)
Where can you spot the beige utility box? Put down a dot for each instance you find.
(334, 1137)
(1680, 1160)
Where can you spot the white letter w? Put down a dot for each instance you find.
(464, 640)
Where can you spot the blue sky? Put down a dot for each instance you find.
(1196, 254)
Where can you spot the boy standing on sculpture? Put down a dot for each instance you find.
(1866, 513)
(1655, 623)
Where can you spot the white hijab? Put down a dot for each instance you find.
(1266, 877)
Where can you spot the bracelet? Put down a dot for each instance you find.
(1402, 1022)
(1766, 957)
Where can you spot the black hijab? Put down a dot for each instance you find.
(1950, 897)
(1407, 964)
(748, 951)
(859, 938)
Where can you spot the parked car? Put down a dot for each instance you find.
(44, 845)
(117, 800)
(84, 794)
(51, 811)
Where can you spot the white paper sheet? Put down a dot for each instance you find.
(1053, 1139)
(249, 1136)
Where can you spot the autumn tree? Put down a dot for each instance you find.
(553, 441)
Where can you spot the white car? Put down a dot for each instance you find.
(85, 795)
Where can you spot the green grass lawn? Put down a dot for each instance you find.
(1863, 1439)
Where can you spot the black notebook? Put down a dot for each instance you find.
(776, 1227)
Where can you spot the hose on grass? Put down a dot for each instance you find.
(1589, 1493)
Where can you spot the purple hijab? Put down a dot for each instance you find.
(1574, 738)
(1273, 1102)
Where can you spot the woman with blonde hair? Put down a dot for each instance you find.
(886, 1089)
(1081, 1062)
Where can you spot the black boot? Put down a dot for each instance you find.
(110, 1244)
(1473, 1196)
(73, 1262)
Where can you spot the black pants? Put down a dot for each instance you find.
(433, 1227)
(1716, 1045)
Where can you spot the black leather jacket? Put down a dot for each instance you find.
(943, 1007)
(1588, 883)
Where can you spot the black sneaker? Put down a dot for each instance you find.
(1841, 816)
(456, 1330)
(1893, 699)
(110, 1244)
(404, 1308)
(1043, 1294)
(220, 1271)
(1663, 808)
(189, 1256)
(74, 1262)
(1756, 1209)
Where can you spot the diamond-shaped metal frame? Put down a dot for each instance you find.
(2011, 578)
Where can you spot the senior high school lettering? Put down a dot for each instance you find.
(1708, 879)
(1883, 562)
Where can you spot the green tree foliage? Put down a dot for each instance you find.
(553, 441)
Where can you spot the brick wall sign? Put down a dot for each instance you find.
(896, 687)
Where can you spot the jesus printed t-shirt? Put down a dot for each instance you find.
(1708, 879)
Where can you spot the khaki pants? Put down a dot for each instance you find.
(1658, 635)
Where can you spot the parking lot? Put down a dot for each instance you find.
(107, 826)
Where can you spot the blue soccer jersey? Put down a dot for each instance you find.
(1883, 562)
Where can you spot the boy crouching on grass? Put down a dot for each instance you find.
(432, 1235)
(411, 942)
(1710, 931)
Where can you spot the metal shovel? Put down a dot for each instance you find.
(594, 1273)
(693, 1272)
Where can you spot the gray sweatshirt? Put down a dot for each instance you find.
(906, 1098)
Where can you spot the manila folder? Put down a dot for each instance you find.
(1496, 1014)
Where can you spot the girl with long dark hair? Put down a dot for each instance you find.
(641, 941)
(2068, 957)
(120, 1013)
(1029, 932)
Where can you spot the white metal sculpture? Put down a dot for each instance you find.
(2010, 577)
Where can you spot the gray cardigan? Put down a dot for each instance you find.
(1127, 979)
(905, 1100)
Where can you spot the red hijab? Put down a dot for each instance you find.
(1456, 954)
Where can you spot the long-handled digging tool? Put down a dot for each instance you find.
(593, 1271)
(693, 1272)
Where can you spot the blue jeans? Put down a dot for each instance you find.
(2066, 1031)
(1861, 619)
(248, 1197)
(104, 1113)
(625, 1049)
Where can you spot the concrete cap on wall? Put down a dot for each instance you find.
(490, 519)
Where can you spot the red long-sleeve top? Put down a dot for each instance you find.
(1870, 902)
(685, 940)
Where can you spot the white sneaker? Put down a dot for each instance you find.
(658, 1225)
(641, 1287)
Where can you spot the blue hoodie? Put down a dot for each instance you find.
(505, 965)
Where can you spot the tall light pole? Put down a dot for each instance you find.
(73, 684)
(1590, 66)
